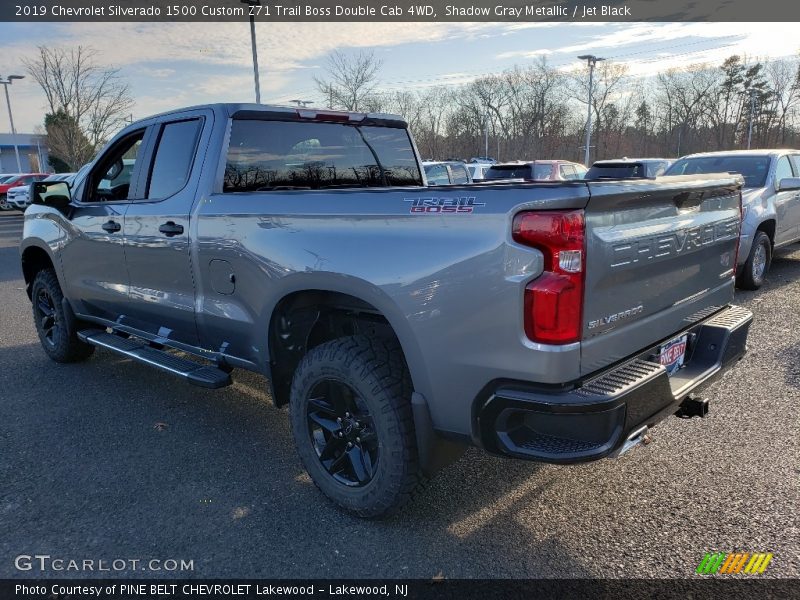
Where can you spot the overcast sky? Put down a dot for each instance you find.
(179, 64)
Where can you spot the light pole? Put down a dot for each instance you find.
(486, 137)
(7, 82)
(591, 61)
(251, 4)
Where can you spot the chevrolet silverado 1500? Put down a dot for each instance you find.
(399, 322)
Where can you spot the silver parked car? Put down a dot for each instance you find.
(448, 172)
(770, 203)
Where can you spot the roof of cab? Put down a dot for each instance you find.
(232, 108)
(760, 152)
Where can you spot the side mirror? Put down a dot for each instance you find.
(788, 184)
(56, 194)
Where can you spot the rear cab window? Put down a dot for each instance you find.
(174, 155)
(616, 171)
(266, 155)
(522, 171)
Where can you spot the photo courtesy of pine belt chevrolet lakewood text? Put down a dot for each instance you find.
(400, 322)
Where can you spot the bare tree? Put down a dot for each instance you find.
(352, 81)
(91, 101)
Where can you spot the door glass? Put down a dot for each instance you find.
(437, 175)
(568, 172)
(459, 174)
(796, 164)
(783, 170)
(173, 162)
(110, 180)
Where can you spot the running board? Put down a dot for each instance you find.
(195, 373)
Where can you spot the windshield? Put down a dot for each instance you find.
(525, 171)
(754, 169)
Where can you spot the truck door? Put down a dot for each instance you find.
(157, 241)
(794, 209)
(93, 257)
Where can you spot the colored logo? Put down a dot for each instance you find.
(735, 562)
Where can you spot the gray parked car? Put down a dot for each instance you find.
(628, 168)
(449, 172)
(770, 203)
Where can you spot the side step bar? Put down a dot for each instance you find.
(195, 373)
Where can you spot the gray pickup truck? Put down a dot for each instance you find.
(401, 323)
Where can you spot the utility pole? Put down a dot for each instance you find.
(486, 137)
(591, 60)
(752, 112)
(252, 4)
(5, 83)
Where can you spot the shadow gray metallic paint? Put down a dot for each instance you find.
(451, 286)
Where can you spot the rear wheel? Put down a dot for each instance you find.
(4, 203)
(755, 269)
(55, 331)
(350, 411)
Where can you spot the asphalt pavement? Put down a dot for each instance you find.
(110, 460)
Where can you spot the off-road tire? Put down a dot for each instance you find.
(375, 370)
(58, 340)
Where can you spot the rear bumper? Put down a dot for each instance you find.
(594, 418)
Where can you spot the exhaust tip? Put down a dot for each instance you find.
(693, 406)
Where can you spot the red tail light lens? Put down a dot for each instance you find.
(554, 300)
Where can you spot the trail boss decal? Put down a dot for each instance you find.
(435, 206)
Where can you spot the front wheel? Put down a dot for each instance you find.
(755, 269)
(58, 339)
(350, 412)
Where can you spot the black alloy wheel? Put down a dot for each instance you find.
(46, 314)
(342, 433)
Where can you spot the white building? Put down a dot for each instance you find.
(32, 153)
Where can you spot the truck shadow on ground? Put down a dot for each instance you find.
(109, 457)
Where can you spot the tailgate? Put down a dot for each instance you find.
(660, 255)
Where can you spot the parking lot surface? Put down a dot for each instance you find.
(109, 459)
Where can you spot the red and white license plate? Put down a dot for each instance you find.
(672, 354)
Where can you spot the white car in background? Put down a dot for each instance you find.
(19, 197)
(477, 170)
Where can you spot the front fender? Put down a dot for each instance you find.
(43, 231)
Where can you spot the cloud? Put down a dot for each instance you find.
(523, 54)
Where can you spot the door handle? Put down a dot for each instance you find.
(170, 228)
(111, 226)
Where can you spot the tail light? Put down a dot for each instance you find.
(554, 300)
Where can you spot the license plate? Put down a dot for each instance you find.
(672, 354)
